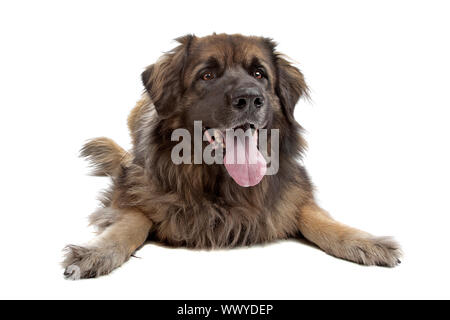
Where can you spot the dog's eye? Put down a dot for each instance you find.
(258, 74)
(208, 76)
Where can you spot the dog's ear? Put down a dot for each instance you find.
(163, 80)
(290, 84)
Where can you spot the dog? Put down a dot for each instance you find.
(226, 82)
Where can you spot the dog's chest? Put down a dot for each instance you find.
(214, 226)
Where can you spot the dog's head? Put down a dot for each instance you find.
(224, 80)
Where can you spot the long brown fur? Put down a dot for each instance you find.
(199, 205)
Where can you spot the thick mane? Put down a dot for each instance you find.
(189, 198)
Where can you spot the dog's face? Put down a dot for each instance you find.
(229, 83)
(226, 81)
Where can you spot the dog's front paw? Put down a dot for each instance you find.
(72, 272)
(90, 262)
(370, 250)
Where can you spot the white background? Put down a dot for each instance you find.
(377, 126)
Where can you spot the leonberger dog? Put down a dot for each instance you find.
(224, 82)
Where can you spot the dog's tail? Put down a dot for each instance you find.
(105, 156)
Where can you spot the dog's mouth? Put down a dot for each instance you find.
(243, 161)
(216, 137)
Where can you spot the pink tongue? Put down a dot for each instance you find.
(243, 161)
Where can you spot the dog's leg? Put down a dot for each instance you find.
(110, 249)
(345, 242)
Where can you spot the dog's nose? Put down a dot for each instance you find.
(243, 98)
